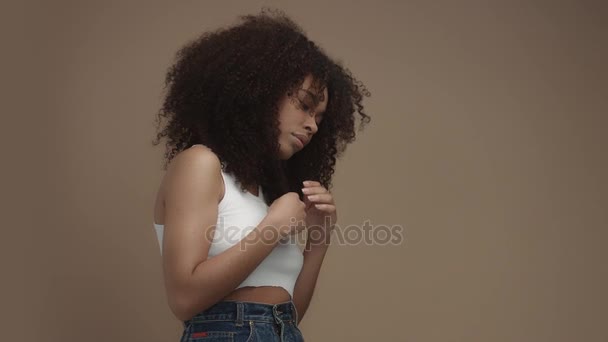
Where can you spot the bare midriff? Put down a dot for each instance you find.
(260, 294)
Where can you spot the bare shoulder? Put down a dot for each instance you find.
(197, 155)
(194, 167)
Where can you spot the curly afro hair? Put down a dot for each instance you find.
(224, 89)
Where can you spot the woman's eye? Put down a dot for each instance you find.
(304, 106)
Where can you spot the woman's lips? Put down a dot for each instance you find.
(299, 142)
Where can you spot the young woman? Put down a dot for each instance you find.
(256, 115)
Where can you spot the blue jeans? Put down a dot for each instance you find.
(237, 321)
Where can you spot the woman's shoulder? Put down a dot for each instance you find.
(197, 156)
(197, 164)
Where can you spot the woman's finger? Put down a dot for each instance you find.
(328, 208)
(314, 190)
(321, 198)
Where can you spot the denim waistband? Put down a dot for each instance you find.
(239, 311)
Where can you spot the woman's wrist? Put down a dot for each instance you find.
(318, 237)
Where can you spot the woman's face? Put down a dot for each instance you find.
(299, 117)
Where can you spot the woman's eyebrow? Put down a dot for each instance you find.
(315, 98)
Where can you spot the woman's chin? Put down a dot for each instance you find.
(287, 151)
(286, 155)
(283, 154)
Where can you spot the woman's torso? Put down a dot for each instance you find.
(260, 294)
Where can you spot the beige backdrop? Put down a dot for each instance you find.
(487, 144)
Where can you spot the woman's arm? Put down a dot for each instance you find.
(321, 217)
(215, 278)
(314, 253)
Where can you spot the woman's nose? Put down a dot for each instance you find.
(311, 124)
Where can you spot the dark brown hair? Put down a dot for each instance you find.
(224, 89)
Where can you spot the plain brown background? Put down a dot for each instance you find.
(487, 144)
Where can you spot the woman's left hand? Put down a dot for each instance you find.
(320, 207)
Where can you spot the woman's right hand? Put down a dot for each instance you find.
(288, 214)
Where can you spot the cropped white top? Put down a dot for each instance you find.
(239, 212)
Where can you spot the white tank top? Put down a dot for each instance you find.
(239, 212)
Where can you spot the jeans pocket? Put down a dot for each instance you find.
(250, 338)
